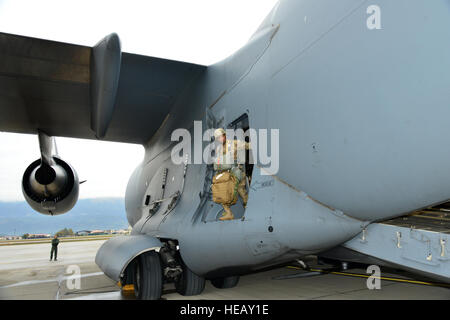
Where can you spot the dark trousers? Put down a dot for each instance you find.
(54, 250)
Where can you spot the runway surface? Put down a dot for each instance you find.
(27, 273)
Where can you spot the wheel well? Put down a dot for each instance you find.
(133, 259)
(168, 245)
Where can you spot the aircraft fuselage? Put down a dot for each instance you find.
(358, 111)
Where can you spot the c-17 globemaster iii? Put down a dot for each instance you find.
(357, 92)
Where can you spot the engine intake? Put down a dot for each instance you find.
(50, 189)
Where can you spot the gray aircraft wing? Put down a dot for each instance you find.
(69, 90)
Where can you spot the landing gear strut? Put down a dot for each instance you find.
(186, 282)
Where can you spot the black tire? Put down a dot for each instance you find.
(148, 279)
(225, 283)
(189, 284)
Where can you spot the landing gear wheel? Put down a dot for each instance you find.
(189, 284)
(148, 279)
(225, 283)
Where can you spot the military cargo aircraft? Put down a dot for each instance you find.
(359, 91)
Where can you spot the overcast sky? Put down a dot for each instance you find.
(198, 31)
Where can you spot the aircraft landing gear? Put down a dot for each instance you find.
(225, 283)
(188, 283)
(148, 278)
(151, 270)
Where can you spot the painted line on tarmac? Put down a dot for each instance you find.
(48, 242)
(358, 275)
(57, 279)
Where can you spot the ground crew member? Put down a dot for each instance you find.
(227, 159)
(55, 242)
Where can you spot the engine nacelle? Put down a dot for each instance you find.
(51, 189)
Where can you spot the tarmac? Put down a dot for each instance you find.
(27, 274)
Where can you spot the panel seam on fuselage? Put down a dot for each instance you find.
(247, 72)
(308, 196)
(318, 39)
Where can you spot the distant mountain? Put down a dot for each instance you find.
(88, 214)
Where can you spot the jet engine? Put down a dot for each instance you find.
(50, 189)
(50, 185)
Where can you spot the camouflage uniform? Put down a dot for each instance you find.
(228, 158)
